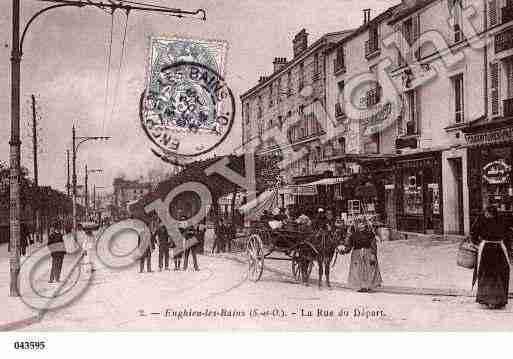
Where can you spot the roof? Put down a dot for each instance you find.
(378, 19)
(217, 184)
(407, 8)
(294, 61)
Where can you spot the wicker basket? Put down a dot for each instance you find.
(467, 255)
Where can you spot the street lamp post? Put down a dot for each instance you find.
(98, 170)
(81, 139)
(94, 198)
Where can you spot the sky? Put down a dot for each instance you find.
(65, 66)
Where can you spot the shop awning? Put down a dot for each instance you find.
(303, 190)
(310, 189)
(266, 201)
(327, 181)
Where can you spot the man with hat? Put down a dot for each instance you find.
(188, 235)
(56, 247)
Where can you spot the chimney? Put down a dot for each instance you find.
(366, 15)
(279, 63)
(263, 79)
(300, 42)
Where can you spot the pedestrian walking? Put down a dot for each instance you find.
(57, 250)
(24, 241)
(89, 247)
(364, 274)
(201, 229)
(491, 273)
(188, 235)
(218, 236)
(146, 249)
(229, 236)
(164, 246)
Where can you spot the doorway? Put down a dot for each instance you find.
(457, 200)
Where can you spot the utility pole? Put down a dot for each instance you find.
(96, 214)
(86, 202)
(86, 195)
(74, 181)
(36, 171)
(67, 172)
(15, 144)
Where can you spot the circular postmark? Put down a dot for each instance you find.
(189, 114)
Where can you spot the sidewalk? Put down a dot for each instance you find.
(414, 266)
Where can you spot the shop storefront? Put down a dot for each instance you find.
(418, 183)
(490, 160)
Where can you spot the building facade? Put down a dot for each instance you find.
(290, 103)
(418, 104)
(408, 131)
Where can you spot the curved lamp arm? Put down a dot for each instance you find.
(36, 15)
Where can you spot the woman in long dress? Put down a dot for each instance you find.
(364, 274)
(493, 263)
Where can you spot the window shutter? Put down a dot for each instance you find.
(399, 33)
(416, 33)
(492, 13)
(418, 116)
(494, 88)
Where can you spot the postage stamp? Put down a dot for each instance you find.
(191, 112)
(187, 109)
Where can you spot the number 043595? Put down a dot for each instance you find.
(29, 345)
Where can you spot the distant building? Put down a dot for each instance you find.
(126, 191)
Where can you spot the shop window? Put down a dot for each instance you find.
(412, 196)
(496, 178)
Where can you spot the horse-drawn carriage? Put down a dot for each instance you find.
(299, 244)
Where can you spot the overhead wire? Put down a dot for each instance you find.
(120, 67)
(107, 80)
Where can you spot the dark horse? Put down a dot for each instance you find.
(322, 250)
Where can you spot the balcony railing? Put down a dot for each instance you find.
(506, 14)
(504, 40)
(371, 47)
(508, 107)
(338, 65)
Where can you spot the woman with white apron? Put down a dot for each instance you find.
(491, 273)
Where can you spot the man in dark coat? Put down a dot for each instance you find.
(146, 257)
(188, 234)
(164, 245)
(57, 249)
(218, 238)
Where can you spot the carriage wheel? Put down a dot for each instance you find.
(296, 272)
(255, 251)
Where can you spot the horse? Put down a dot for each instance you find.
(321, 249)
